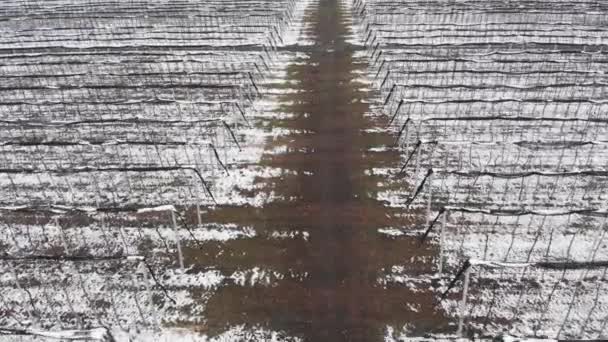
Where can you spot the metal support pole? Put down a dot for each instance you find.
(429, 202)
(198, 215)
(441, 241)
(177, 241)
(463, 302)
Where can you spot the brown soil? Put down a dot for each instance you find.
(332, 198)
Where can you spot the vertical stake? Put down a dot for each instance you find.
(441, 241)
(463, 302)
(198, 215)
(430, 200)
(179, 245)
(417, 161)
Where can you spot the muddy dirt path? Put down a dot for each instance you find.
(334, 293)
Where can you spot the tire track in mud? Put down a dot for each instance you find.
(327, 191)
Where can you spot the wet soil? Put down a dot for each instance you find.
(331, 291)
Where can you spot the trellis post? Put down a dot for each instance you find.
(463, 302)
(177, 240)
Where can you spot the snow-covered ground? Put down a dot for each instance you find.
(109, 107)
(505, 103)
(117, 108)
